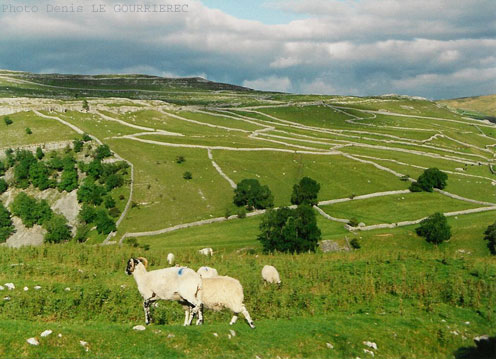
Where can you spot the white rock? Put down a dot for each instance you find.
(60, 335)
(370, 344)
(37, 287)
(329, 345)
(139, 327)
(67, 289)
(442, 320)
(84, 345)
(33, 341)
(256, 356)
(10, 286)
(26, 289)
(468, 323)
(170, 335)
(369, 352)
(233, 333)
(46, 333)
(215, 334)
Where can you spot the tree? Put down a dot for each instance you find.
(434, 229)
(305, 192)
(431, 178)
(78, 145)
(490, 237)
(69, 180)
(2, 168)
(102, 152)
(87, 214)
(95, 169)
(251, 194)
(104, 224)
(289, 230)
(86, 137)
(3, 185)
(90, 193)
(6, 225)
(25, 160)
(9, 154)
(38, 174)
(187, 175)
(31, 211)
(57, 230)
(113, 181)
(28, 131)
(86, 106)
(7, 120)
(39, 153)
(109, 202)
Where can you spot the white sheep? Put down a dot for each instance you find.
(171, 259)
(206, 251)
(176, 283)
(270, 274)
(207, 272)
(222, 292)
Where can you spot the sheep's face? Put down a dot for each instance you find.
(131, 264)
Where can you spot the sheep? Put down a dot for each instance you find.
(171, 259)
(176, 283)
(270, 274)
(222, 292)
(206, 251)
(207, 272)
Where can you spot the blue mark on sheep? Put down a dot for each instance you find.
(180, 272)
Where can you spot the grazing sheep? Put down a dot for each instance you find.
(207, 272)
(171, 259)
(206, 251)
(176, 283)
(270, 274)
(222, 292)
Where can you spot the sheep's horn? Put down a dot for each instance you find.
(144, 261)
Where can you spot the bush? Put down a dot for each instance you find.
(86, 106)
(102, 151)
(113, 181)
(28, 131)
(353, 222)
(87, 214)
(114, 212)
(39, 176)
(31, 211)
(25, 160)
(78, 145)
(431, 178)
(187, 175)
(82, 233)
(6, 225)
(180, 159)
(69, 180)
(104, 224)
(39, 153)
(90, 193)
(95, 169)
(7, 120)
(109, 202)
(435, 229)
(241, 212)
(250, 193)
(355, 243)
(57, 230)
(490, 237)
(289, 230)
(132, 242)
(86, 137)
(3, 185)
(305, 192)
(2, 168)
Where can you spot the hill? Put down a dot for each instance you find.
(409, 297)
(483, 107)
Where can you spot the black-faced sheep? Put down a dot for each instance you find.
(177, 284)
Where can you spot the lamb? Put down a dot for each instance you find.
(270, 274)
(171, 259)
(206, 251)
(222, 292)
(207, 272)
(176, 283)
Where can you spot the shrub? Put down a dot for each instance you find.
(86, 106)
(104, 224)
(103, 151)
(7, 120)
(57, 230)
(250, 193)
(3, 185)
(87, 214)
(180, 159)
(132, 242)
(56, 163)
(6, 225)
(69, 180)
(86, 137)
(431, 178)
(90, 193)
(415, 187)
(2, 168)
(305, 192)
(114, 212)
(9, 154)
(353, 222)
(82, 233)
(435, 229)
(113, 181)
(241, 212)
(95, 169)
(187, 175)
(78, 145)
(405, 178)
(289, 230)
(490, 237)
(39, 176)
(25, 160)
(355, 243)
(28, 131)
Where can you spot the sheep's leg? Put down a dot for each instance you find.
(195, 310)
(146, 307)
(248, 318)
(234, 319)
(199, 321)
(186, 316)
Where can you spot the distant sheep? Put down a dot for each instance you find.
(206, 251)
(171, 259)
(270, 274)
(222, 292)
(176, 283)
(207, 272)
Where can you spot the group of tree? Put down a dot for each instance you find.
(285, 229)
(6, 225)
(98, 216)
(32, 212)
(430, 179)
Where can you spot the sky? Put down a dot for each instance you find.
(430, 48)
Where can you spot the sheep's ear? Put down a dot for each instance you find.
(144, 261)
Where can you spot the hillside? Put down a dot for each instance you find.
(397, 290)
(483, 107)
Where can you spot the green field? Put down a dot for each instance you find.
(413, 299)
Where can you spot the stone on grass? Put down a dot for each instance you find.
(10, 286)
(170, 335)
(33, 341)
(26, 289)
(46, 333)
(84, 345)
(233, 333)
(139, 327)
(37, 287)
(215, 335)
(329, 345)
(370, 344)
(366, 351)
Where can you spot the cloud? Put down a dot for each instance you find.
(365, 47)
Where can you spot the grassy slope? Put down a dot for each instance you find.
(480, 104)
